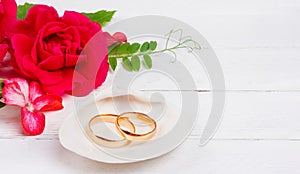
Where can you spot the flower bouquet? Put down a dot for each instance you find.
(41, 53)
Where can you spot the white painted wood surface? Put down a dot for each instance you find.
(258, 46)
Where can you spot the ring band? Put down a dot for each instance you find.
(111, 118)
(131, 135)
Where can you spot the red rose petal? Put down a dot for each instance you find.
(88, 76)
(8, 15)
(47, 103)
(9, 7)
(39, 15)
(22, 60)
(63, 84)
(74, 60)
(33, 122)
(49, 77)
(3, 52)
(52, 63)
(74, 18)
(20, 48)
(8, 72)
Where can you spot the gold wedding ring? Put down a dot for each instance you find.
(110, 118)
(125, 128)
(131, 135)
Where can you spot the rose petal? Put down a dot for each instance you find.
(72, 60)
(101, 74)
(8, 72)
(74, 18)
(47, 103)
(91, 74)
(9, 7)
(8, 15)
(3, 52)
(15, 92)
(49, 77)
(64, 83)
(52, 63)
(22, 59)
(23, 27)
(33, 122)
(35, 91)
(39, 15)
(18, 45)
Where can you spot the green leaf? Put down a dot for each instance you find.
(113, 63)
(1, 83)
(102, 16)
(147, 61)
(113, 46)
(136, 63)
(134, 48)
(127, 64)
(145, 47)
(153, 45)
(2, 104)
(123, 48)
(23, 10)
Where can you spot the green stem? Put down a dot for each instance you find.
(148, 52)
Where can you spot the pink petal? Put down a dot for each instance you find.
(35, 91)
(15, 92)
(117, 37)
(33, 122)
(47, 103)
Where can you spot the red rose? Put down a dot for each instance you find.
(52, 50)
(8, 10)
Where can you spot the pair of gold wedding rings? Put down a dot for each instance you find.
(124, 127)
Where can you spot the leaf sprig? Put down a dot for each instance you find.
(131, 54)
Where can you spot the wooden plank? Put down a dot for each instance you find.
(259, 115)
(44, 156)
(261, 69)
(244, 69)
(256, 115)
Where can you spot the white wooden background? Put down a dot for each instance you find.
(258, 45)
